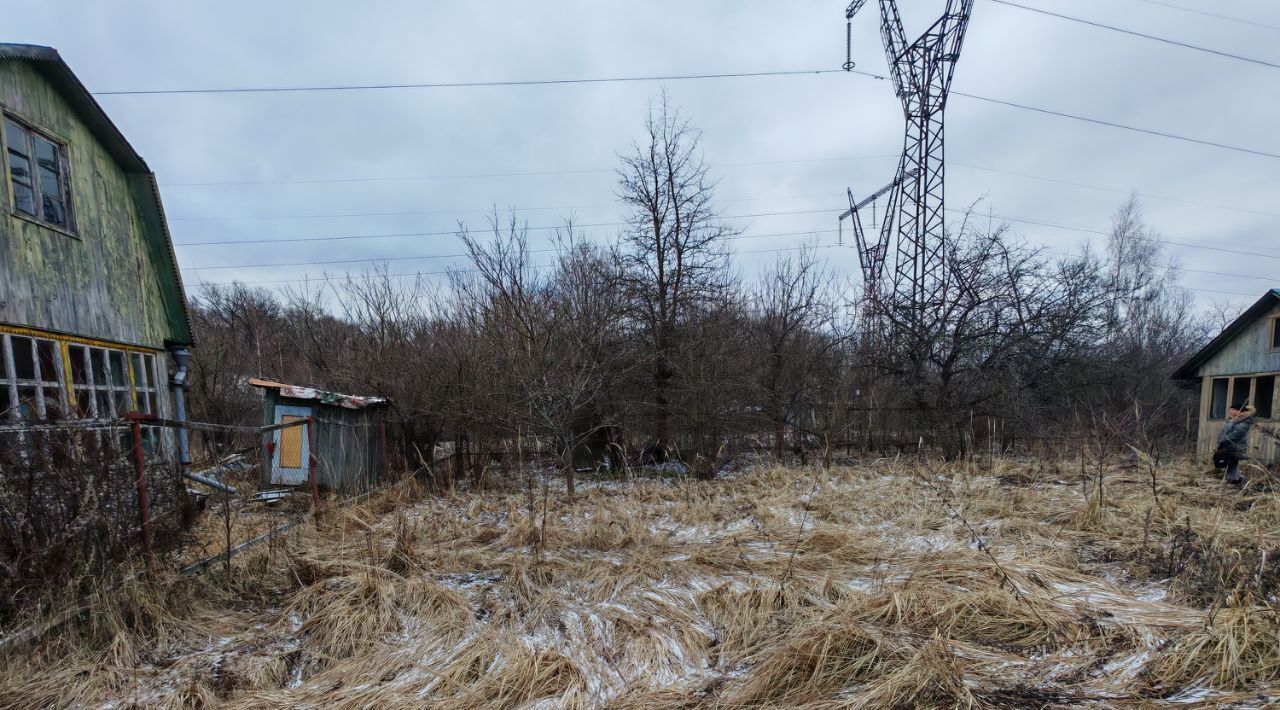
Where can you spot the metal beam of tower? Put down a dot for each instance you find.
(914, 218)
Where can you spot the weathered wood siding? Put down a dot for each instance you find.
(104, 282)
(1249, 353)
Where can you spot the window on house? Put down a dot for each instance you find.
(1264, 390)
(1241, 393)
(38, 175)
(31, 379)
(144, 393)
(1218, 399)
(1275, 333)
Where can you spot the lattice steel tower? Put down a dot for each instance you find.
(921, 72)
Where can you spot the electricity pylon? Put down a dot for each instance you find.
(921, 72)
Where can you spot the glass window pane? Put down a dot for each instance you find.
(77, 354)
(98, 358)
(119, 376)
(24, 363)
(46, 153)
(139, 373)
(1218, 401)
(27, 403)
(1275, 333)
(52, 207)
(47, 350)
(19, 167)
(24, 200)
(16, 137)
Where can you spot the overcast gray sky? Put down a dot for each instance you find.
(299, 161)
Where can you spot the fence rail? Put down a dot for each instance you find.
(80, 499)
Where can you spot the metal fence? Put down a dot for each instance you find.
(85, 499)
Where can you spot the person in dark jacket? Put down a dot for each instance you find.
(1233, 443)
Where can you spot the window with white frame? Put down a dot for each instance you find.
(32, 379)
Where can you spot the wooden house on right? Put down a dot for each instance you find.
(1240, 366)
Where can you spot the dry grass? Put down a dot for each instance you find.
(907, 586)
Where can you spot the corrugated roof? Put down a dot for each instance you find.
(347, 401)
(59, 75)
(1262, 305)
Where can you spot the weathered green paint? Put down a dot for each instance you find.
(115, 279)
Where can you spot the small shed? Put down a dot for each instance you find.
(1240, 365)
(349, 440)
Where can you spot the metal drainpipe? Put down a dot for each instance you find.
(181, 358)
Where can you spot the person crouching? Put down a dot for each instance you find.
(1233, 443)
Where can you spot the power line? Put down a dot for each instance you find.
(1143, 35)
(1112, 124)
(469, 84)
(366, 276)
(1211, 14)
(1000, 102)
(1004, 218)
(459, 256)
(1117, 190)
(454, 232)
(970, 166)
(529, 173)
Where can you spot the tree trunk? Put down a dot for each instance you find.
(567, 458)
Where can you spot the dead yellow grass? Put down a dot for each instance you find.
(892, 584)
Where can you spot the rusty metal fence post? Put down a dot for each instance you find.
(140, 468)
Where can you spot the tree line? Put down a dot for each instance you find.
(649, 347)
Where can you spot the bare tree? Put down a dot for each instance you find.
(672, 249)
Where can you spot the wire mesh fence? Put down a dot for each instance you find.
(82, 501)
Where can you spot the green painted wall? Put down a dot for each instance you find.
(105, 282)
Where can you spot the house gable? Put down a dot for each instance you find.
(1249, 351)
(113, 276)
(1243, 347)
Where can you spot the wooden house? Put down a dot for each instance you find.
(347, 448)
(1241, 365)
(91, 298)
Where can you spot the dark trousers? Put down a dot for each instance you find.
(1230, 462)
(1233, 469)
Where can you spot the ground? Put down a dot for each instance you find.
(883, 583)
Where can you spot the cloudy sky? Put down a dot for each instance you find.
(256, 168)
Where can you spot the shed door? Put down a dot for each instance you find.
(292, 455)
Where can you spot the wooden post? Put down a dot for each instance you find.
(140, 468)
(382, 440)
(313, 439)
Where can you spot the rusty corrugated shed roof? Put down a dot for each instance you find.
(336, 399)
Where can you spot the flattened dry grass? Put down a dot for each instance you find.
(892, 584)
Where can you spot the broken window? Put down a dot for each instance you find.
(38, 174)
(31, 379)
(1218, 399)
(1241, 393)
(144, 396)
(1264, 390)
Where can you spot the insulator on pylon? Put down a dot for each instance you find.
(848, 45)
